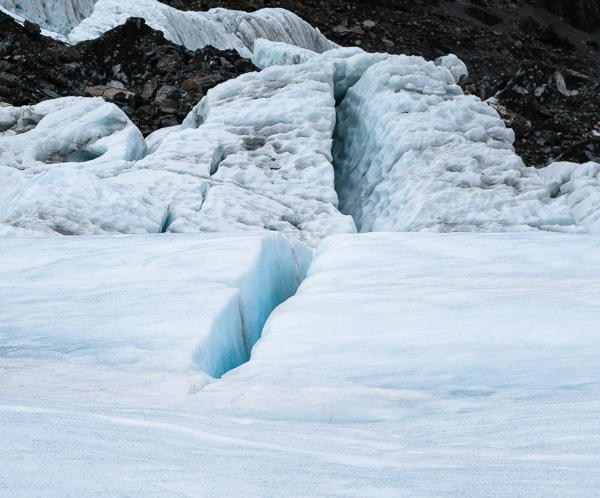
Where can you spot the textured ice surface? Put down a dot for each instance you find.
(72, 131)
(74, 21)
(118, 309)
(267, 53)
(579, 184)
(407, 364)
(255, 153)
(52, 158)
(413, 153)
(78, 20)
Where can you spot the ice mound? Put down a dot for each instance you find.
(115, 311)
(70, 132)
(579, 184)
(411, 152)
(74, 202)
(255, 153)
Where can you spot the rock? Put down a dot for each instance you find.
(32, 28)
(50, 93)
(95, 91)
(9, 80)
(150, 88)
(582, 151)
(108, 93)
(193, 84)
(169, 63)
(4, 91)
(483, 16)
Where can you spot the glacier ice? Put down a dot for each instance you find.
(79, 166)
(71, 131)
(413, 153)
(74, 21)
(436, 364)
(255, 153)
(140, 306)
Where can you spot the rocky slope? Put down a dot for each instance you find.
(154, 81)
(504, 44)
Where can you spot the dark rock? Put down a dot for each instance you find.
(9, 79)
(125, 66)
(582, 151)
(483, 16)
(32, 29)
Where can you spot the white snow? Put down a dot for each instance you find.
(407, 364)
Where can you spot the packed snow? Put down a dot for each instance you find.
(427, 364)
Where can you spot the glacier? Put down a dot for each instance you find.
(287, 354)
(406, 363)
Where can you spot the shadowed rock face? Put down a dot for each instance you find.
(582, 14)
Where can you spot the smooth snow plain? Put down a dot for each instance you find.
(406, 364)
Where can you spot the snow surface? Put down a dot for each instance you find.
(407, 364)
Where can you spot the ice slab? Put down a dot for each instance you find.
(121, 314)
(413, 153)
